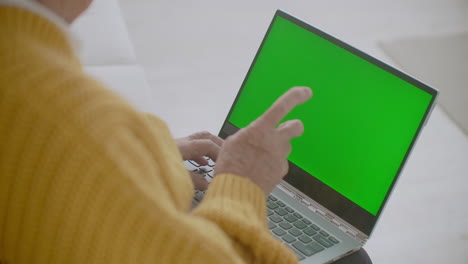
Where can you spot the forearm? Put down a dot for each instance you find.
(237, 205)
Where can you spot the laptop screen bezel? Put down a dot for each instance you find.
(315, 189)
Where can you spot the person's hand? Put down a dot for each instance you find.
(259, 151)
(195, 147)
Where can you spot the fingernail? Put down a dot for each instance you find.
(307, 91)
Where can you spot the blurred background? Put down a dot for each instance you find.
(195, 55)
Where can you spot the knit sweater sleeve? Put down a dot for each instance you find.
(85, 178)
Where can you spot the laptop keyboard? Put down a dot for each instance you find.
(303, 236)
(206, 171)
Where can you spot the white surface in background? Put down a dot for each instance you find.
(103, 35)
(196, 54)
(442, 62)
(107, 53)
(128, 81)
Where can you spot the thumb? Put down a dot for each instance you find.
(198, 181)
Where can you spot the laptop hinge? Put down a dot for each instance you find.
(324, 212)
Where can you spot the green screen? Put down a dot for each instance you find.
(359, 123)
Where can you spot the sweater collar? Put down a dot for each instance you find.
(39, 9)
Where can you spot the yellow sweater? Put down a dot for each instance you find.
(85, 178)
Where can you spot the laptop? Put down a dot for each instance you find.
(360, 127)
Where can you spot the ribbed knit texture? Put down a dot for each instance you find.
(85, 178)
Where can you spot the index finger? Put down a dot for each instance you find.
(284, 105)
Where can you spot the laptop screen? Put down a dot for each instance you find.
(359, 125)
